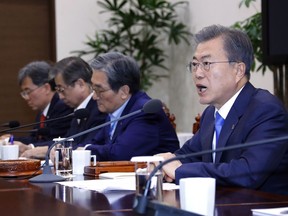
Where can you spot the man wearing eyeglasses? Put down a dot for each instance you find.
(40, 95)
(72, 76)
(116, 85)
(238, 113)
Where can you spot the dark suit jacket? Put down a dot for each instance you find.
(255, 115)
(141, 134)
(94, 118)
(56, 128)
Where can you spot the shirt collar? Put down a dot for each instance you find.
(117, 113)
(84, 104)
(224, 110)
(45, 111)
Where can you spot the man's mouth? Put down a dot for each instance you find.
(201, 88)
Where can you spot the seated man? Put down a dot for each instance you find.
(116, 85)
(72, 78)
(41, 96)
(221, 70)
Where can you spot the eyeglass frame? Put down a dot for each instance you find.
(61, 89)
(26, 93)
(205, 65)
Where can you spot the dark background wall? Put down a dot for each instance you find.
(27, 33)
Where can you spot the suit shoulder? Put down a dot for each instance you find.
(263, 99)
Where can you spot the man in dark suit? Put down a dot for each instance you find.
(221, 71)
(40, 95)
(73, 83)
(72, 77)
(116, 85)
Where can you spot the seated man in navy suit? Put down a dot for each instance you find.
(40, 95)
(72, 77)
(221, 70)
(116, 85)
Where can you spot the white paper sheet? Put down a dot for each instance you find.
(102, 185)
(116, 175)
(270, 211)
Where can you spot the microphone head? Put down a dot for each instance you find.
(13, 124)
(81, 113)
(152, 106)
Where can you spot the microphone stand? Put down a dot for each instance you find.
(36, 123)
(151, 106)
(142, 201)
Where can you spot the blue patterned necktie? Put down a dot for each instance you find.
(219, 121)
(112, 126)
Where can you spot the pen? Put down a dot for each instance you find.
(11, 140)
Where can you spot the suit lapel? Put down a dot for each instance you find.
(54, 100)
(128, 109)
(206, 139)
(206, 135)
(234, 115)
(228, 127)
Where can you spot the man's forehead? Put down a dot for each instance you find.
(209, 49)
(99, 78)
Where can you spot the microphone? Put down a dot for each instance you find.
(40, 131)
(152, 106)
(11, 124)
(79, 114)
(141, 202)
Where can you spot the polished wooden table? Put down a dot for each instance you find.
(20, 197)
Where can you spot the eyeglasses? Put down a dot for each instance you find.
(60, 89)
(193, 66)
(24, 94)
(99, 90)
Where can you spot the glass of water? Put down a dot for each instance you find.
(63, 157)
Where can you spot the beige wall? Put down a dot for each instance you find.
(76, 19)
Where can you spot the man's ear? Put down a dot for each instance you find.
(80, 82)
(240, 70)
(47, 87)
(124, 91)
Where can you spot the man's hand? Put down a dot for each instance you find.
(22, 147)
(4, 139)
(169, 169)
(38, 152)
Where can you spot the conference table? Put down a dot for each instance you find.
(20, 197)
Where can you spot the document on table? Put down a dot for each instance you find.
(270, 211)
(102, 185)
(117, 175)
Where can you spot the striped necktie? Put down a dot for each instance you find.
(112, 126)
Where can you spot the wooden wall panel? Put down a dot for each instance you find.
(27, 33)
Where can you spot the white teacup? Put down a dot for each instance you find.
(80, 159)
(9, 152)
(3, 142)
(198, 195)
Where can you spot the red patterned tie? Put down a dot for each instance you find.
(42, 119)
